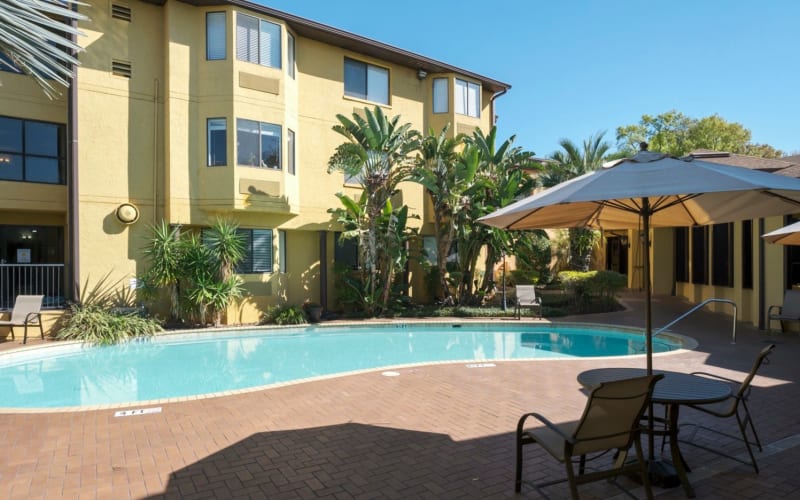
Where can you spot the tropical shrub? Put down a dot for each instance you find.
(94, 318)
(593, 289)
(95, 325)
(287, 314)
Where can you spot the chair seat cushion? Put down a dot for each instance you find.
(551, 440)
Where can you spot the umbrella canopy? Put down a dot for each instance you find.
(653, 189)
(787, 235)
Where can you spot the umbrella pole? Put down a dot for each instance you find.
(648, 324)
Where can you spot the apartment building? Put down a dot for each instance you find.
(184, 111)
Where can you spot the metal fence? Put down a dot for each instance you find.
(32, 279)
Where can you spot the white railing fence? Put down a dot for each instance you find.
(32, 279)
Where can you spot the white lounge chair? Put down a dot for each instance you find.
(27, 311)
(526, 297)
(789, 311)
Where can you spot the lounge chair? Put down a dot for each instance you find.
(731, 407)
(27, 311)
(526, 297)
(611, 420)
(789, 311)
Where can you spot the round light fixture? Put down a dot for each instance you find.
(127, 213)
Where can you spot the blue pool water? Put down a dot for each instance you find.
(182, 365)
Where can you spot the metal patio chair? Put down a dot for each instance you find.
(735, 406)
(27, 311)
(610, 421)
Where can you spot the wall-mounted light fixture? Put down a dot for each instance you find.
(421, 74)
(127, 213)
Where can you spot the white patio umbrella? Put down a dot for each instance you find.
(787, 235)
(653, 190)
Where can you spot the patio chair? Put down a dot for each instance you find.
(610, 421)
(526, 297)
(26, 312)
(735, 405)
(789, 311)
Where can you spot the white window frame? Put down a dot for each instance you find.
(465, 91)
(441, 103)
(291, 55)
(216, 121)
(374, 74)
(214, 51)
(260, 43)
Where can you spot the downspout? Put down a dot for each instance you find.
(493, 118)
(155, 152)
(72, 174)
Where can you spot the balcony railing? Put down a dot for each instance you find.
(32, 279)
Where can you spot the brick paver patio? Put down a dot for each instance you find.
(440, 431)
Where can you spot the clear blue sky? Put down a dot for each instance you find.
(579, 67)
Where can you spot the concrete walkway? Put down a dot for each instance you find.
(440, 431)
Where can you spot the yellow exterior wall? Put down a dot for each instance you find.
(143, 140)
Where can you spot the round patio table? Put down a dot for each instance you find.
(674, 390)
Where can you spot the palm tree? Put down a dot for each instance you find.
(502, 177)
(446, 175)
(37, 37)
(573, 162)
(378, 155)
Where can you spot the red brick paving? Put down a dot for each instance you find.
(439, 431)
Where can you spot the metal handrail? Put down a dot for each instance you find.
(698, 306)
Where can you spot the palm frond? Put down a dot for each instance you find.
(36, 35)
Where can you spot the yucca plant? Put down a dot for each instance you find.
(93, 320)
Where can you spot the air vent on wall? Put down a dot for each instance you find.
(121, 68)
(122, 12)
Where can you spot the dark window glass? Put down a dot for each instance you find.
(217, 142)
(345, 251)
(355, 79)
(271, 146)
(682, 254)
(10, 135)
(258, 251)
(700, 255)
(722, 258)
(290, 151)
(247, 134)
(747, 254)
(32, 151)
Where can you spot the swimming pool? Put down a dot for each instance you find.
(184, 365)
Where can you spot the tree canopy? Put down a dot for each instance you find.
(677, 134)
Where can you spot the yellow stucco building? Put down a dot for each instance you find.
(189, 110)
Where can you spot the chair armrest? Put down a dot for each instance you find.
(718, 377)
(550, 425)
(36, 315)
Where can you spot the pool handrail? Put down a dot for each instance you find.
(699, 306)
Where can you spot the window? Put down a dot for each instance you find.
(215, 36)
(258, 251)
(290, 151)
(365, 81)
(722, 256)
(468, 98)
(282, 250)
(345, 251)
(259, 144)
(258, 41)
(32, 151)
(747, 254)
(291, 55)
(682, 254)
(700, 255)
(440, 95)
(217, 142)
(792, 262)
